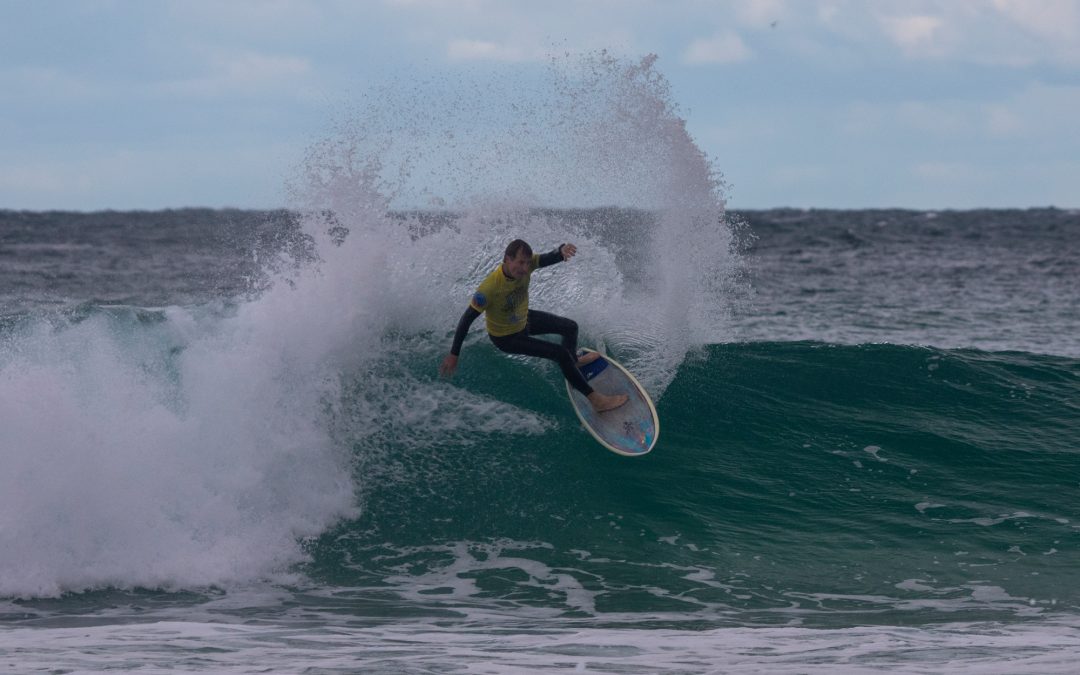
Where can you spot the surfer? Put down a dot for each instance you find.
(511, 325)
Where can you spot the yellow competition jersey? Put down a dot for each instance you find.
(504, 301)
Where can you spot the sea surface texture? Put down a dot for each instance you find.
(225, 445)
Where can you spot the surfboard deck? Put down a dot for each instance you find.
(632, 428)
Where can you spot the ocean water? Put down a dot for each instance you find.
(226, 448)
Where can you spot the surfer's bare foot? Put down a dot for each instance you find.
(587, 358)
(603, 403)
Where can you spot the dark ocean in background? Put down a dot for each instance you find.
(225, 446)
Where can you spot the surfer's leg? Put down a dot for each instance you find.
(522, 343)
(545, 323)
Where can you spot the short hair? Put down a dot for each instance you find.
(517, 247)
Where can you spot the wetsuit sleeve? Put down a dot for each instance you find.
(463, 329)
(551, 257)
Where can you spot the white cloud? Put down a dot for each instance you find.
(1012, 33)
(1055, 24)
(1053, 19)
(916, 35)
(943, 121)
(452, 5)
(827, 12)
(1003, 122)
(1039, 115)
(49, 83)
(239, 72)
(483, 50)
(253, 67)
(250, 17)
(725, 47)
(761, 13)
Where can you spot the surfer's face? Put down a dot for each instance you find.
(516, 267)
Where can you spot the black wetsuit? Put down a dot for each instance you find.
(537, 323)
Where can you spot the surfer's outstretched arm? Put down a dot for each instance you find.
(562, 252)
(449, 364)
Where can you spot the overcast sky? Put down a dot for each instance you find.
(808, 103)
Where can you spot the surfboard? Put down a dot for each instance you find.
(632, 428)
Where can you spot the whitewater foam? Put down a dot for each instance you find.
(977, 648)
(179, 454)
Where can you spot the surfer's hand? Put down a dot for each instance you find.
(449, 365)
(568, 251)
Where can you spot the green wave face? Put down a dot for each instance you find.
(829, 483)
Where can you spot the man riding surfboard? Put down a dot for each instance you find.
(504, 297)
